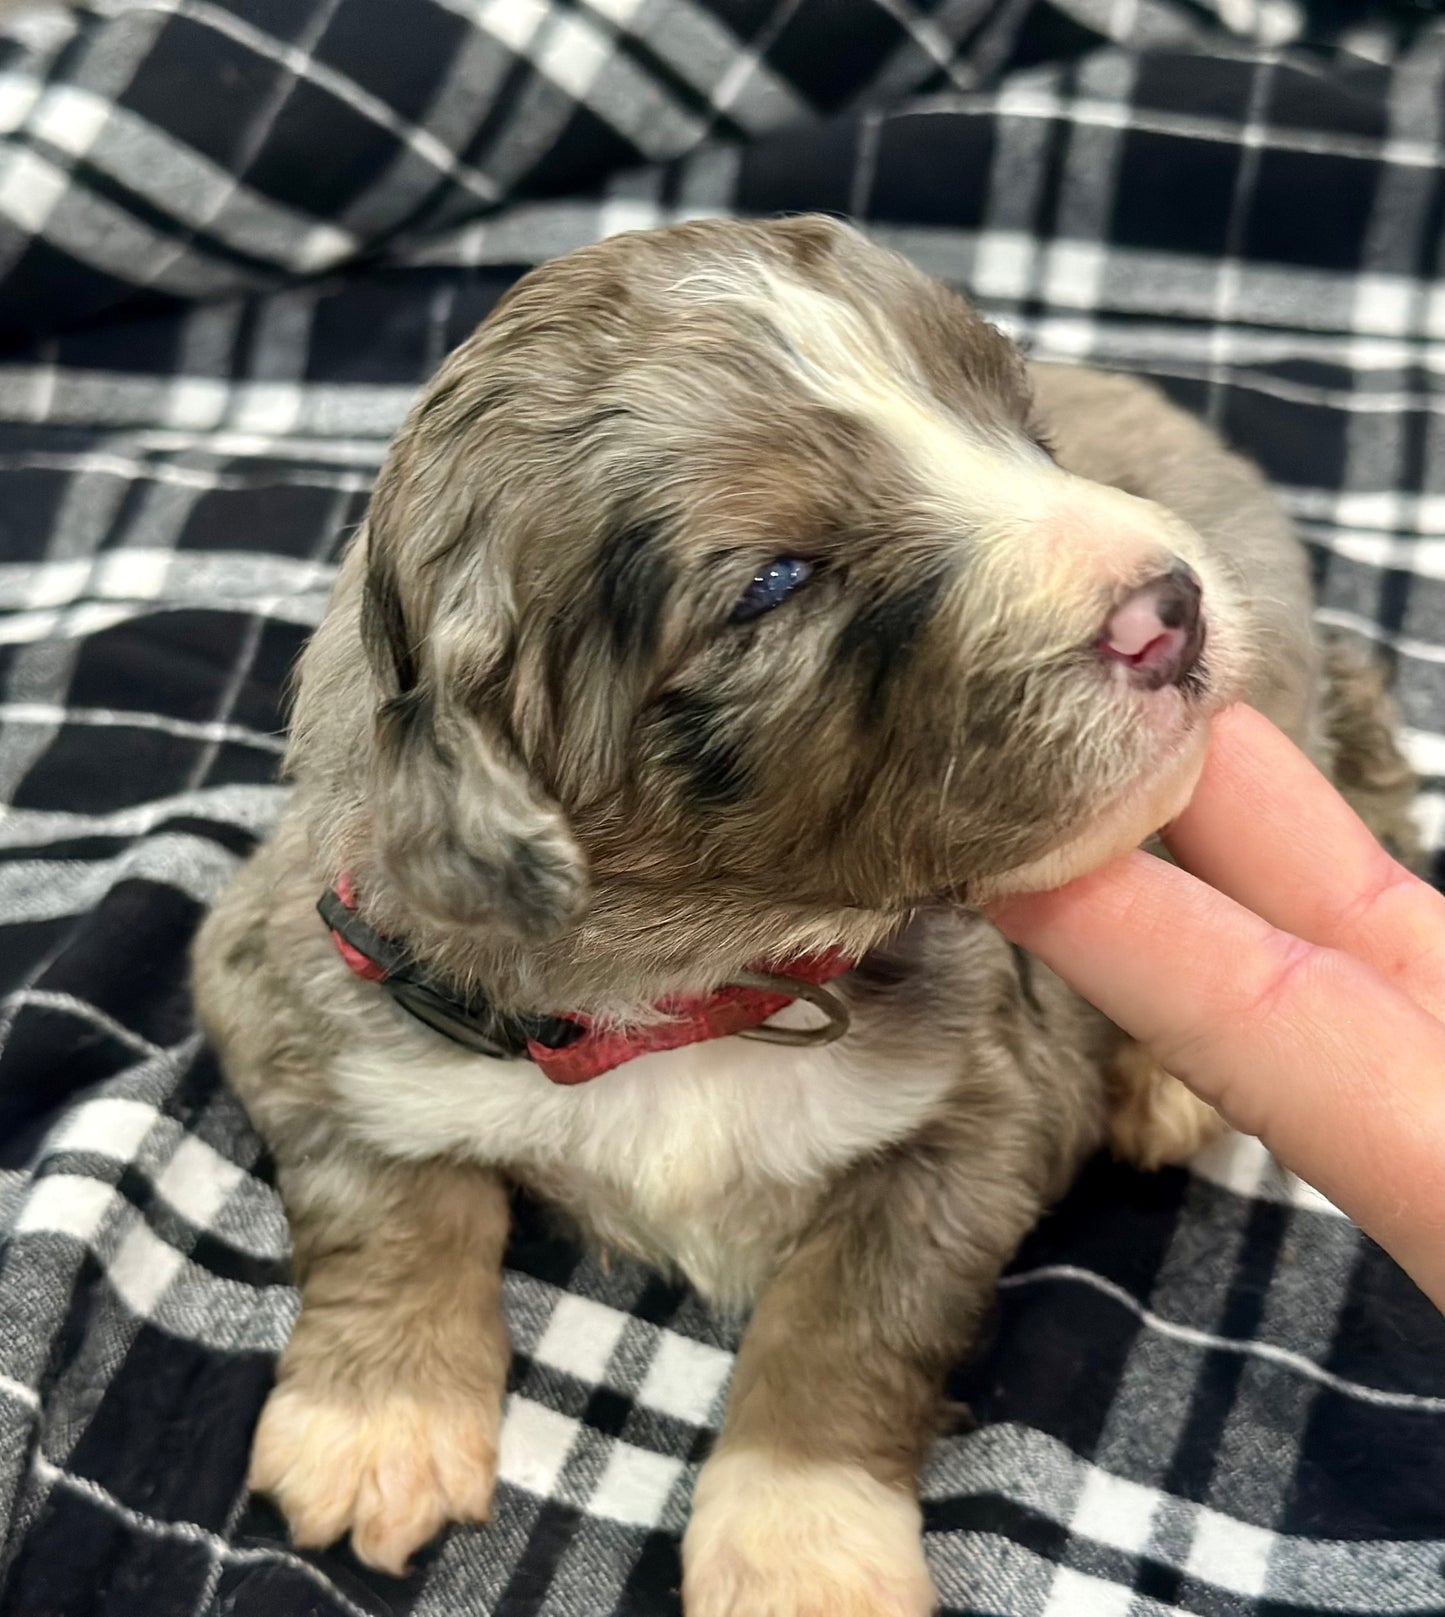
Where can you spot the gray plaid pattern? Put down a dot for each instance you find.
(1206, 1393)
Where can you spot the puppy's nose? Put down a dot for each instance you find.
(1157, 631)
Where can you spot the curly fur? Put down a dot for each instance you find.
(556, 769)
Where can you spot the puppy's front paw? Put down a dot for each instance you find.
(392, 1468)
(769, 1539)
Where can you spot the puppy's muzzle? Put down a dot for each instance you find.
(1156, 633)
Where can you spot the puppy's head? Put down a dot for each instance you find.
(731, 559)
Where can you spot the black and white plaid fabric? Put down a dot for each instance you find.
(235, 235)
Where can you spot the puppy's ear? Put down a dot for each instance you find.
(461, 828)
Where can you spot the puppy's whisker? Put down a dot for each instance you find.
(947, 781)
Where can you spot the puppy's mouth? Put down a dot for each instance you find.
(1136, 814)
(1152, 645)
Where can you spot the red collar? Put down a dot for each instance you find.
(568, 1049)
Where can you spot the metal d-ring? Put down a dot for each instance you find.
(831, 1006)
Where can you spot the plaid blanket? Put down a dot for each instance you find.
(235, 235)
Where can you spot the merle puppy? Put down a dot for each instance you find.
(735, 612)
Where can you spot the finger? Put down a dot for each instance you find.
(1338, 1072)
(1265, 827)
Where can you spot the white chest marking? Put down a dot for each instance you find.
(672, 1133)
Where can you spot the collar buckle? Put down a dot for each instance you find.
(467, 1020)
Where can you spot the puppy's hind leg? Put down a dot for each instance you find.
(387, 1402)
(808, 1505)
(1153, 1119)
(1366, 761)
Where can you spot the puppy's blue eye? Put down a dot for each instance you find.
(771, 587)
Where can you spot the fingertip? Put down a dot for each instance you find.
(1006, 914)
(1239, 724)
(1020, 915)
(1016, 914)
(1248, 756)
(1240, 718)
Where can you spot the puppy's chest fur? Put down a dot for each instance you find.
(706, 1159)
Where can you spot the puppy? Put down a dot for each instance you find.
(735, 611)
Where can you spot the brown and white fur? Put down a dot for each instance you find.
(557, 769)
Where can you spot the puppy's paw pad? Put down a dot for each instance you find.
(392, 1470)
(774, 1540)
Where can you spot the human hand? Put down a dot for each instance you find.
(1291, 973)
